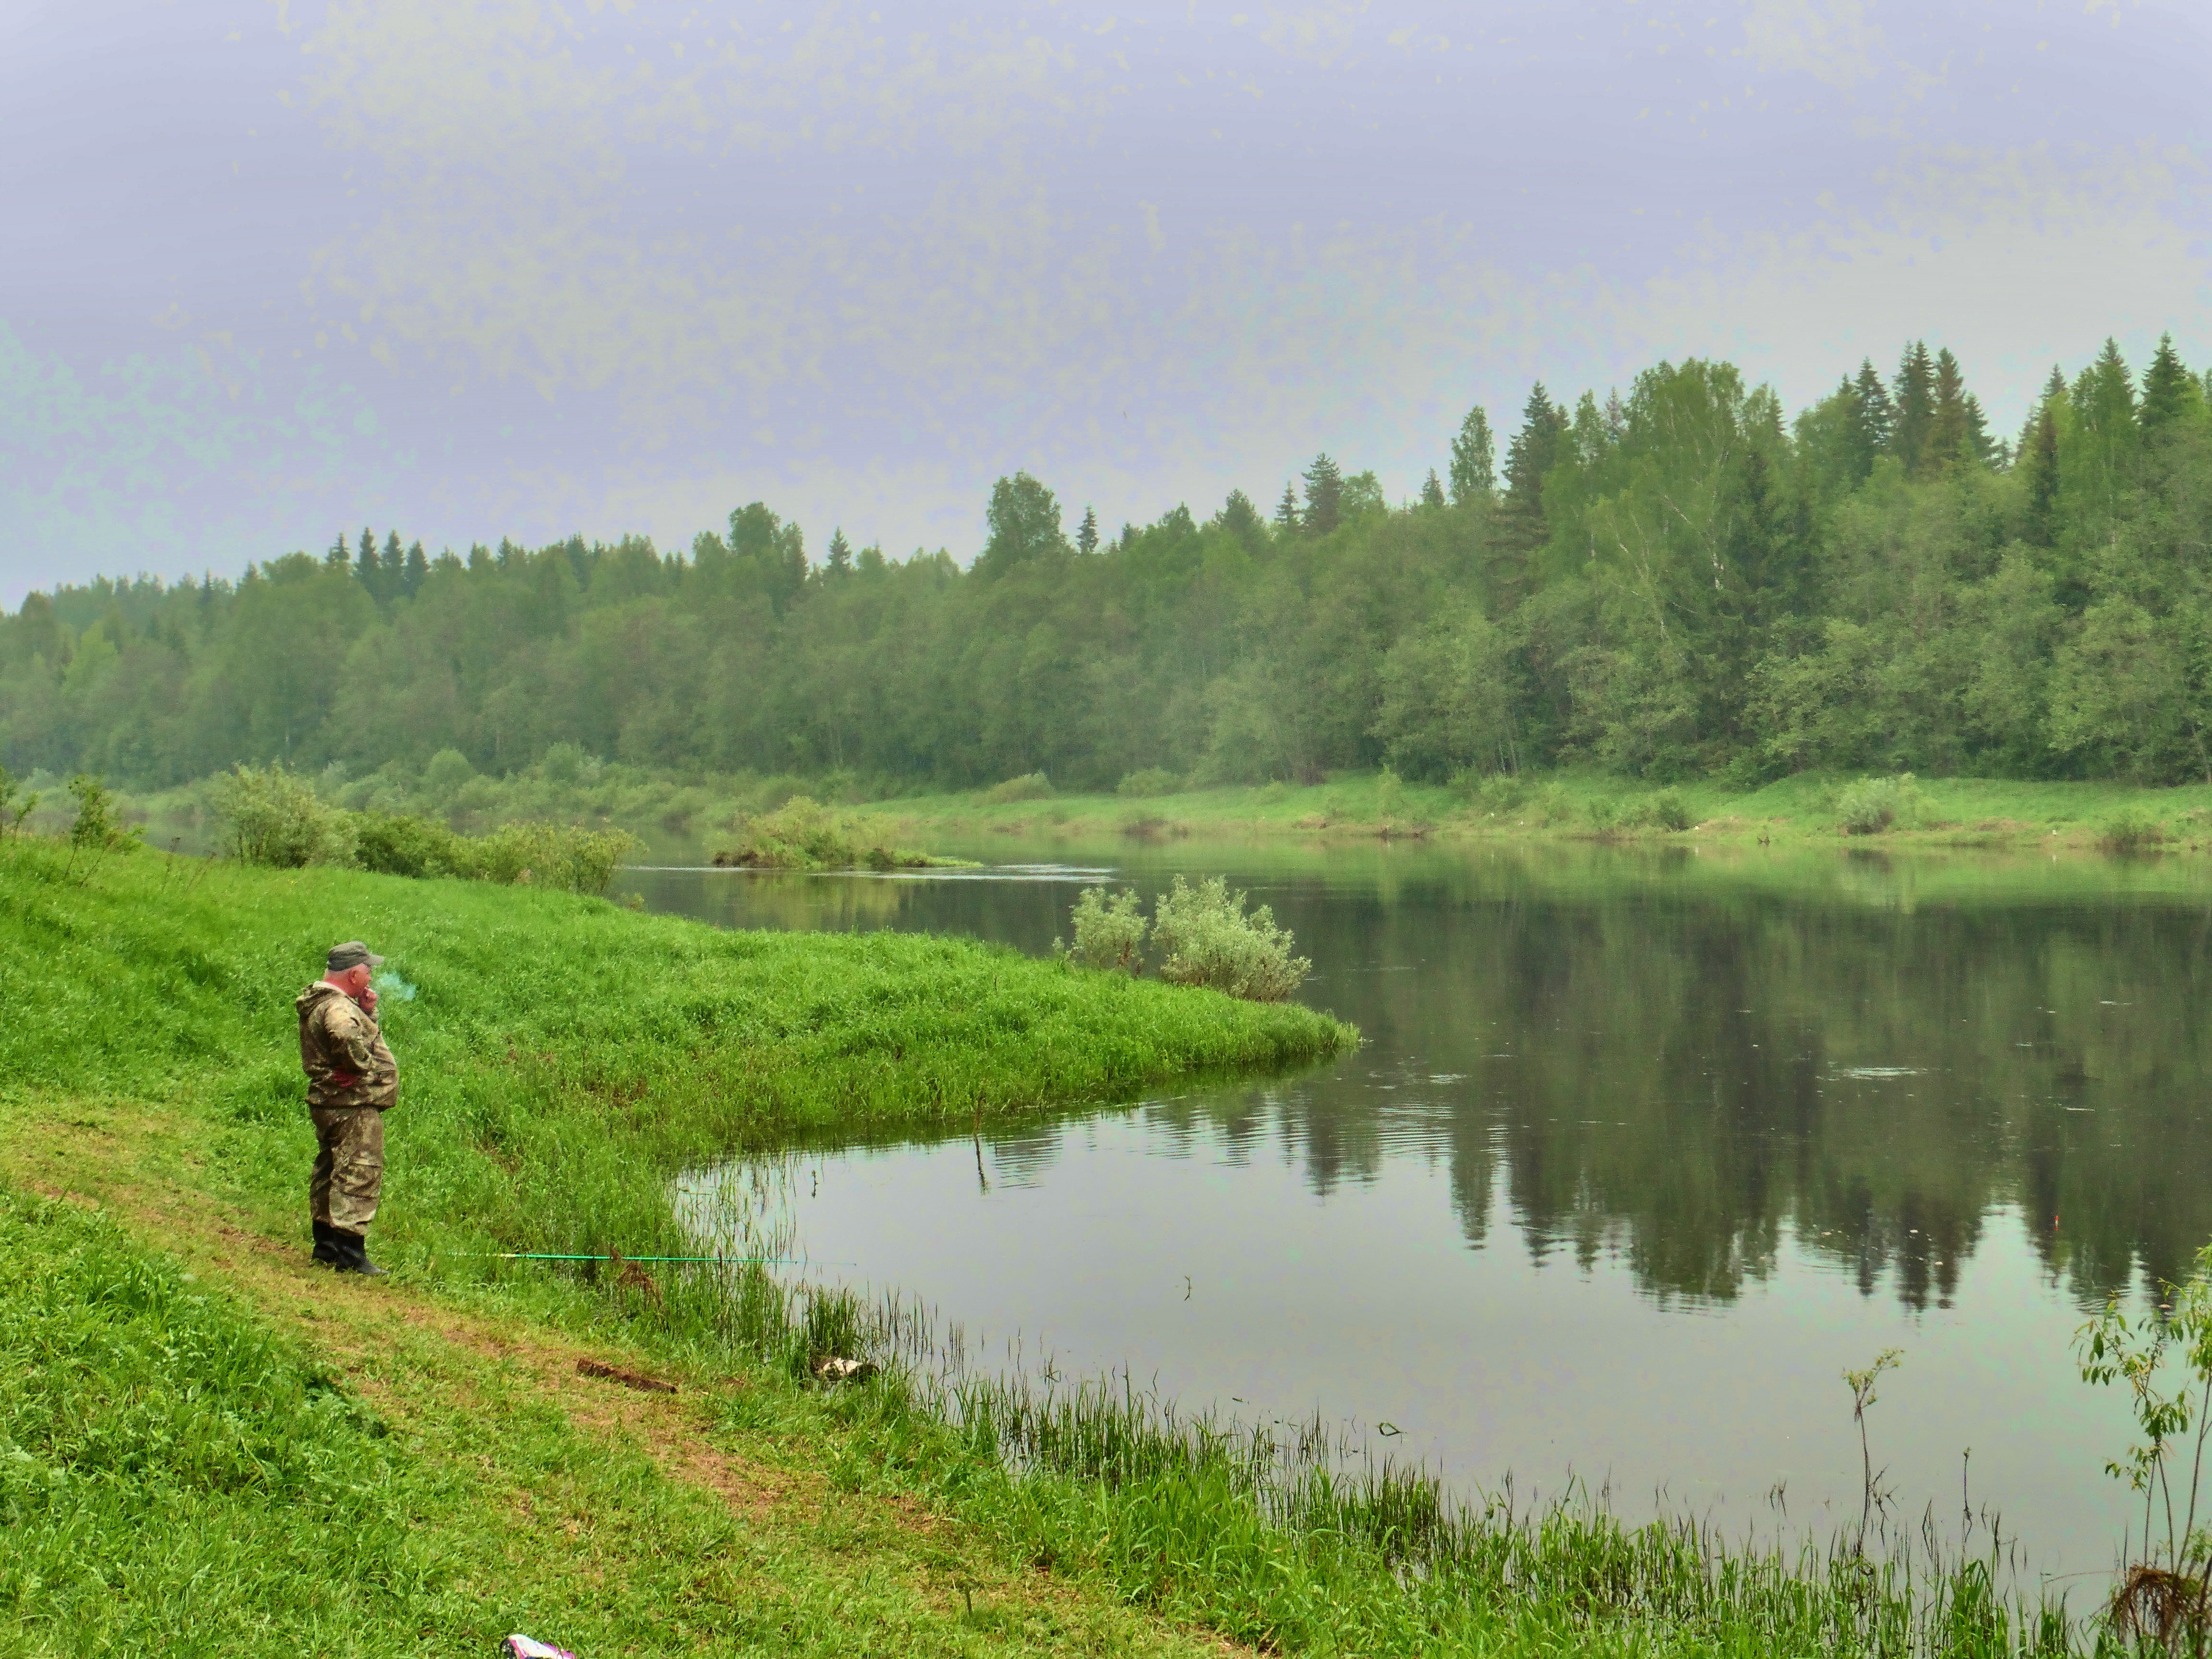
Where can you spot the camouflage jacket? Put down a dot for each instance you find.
(342, 1052)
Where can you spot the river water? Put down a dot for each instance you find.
(1643, 1150)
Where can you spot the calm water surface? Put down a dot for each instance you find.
(1643, 1150)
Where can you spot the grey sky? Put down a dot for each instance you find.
(476, 268)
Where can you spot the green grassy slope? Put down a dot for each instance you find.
(558, 1046)
(562, 1058)
(180, 1474)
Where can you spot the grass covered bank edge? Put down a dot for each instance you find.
(564, 1057)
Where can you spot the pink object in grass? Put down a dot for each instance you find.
(521, 1647)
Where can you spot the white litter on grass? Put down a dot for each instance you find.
(522, 1647)
(1881, 1070)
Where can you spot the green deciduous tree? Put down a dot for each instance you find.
(1023, 525)
(1473, 459)
(1669, 581)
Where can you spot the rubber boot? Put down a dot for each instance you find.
(353, 1253)
(327, 1248)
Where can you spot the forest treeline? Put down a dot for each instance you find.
(1677, 582)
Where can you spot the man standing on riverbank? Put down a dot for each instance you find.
(352, 1081)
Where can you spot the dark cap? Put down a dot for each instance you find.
(352, 954)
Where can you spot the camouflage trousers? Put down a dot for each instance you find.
(348, 1165)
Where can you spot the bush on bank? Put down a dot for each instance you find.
(1204, 933)
(275, 819)
(802, 834)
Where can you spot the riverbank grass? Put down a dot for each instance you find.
(212, 1449)
(183, 1374)
(741, 815)
(1884, 810)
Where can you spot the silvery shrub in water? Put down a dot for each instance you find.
(1205, 938)
(1204, 933)
(1109, 933)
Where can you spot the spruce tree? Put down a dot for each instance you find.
(368, 566)
(2038, 460)
(1947, 431)
(1432, 490)
(1238, 516)
(2169, 389)
(1287, 510)
(1535, 451)
(1324, 481)
(1916, 409)
(416, 572)
(2106, 396)
(1980, 447)
(1877, 415)
(1473, 459)
(2054, 386)
(837, 561)
(1086, 533)
(340, 558)
(2107, 428)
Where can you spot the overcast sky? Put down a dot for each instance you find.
(476, 268)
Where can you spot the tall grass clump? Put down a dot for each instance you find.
(1147, 781)
(1664, 809)
(1872, 804)
(2131, 829)
(1031, 786)
(1389, 793)
(1498, 794)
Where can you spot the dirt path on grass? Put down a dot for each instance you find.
(409, 1356)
